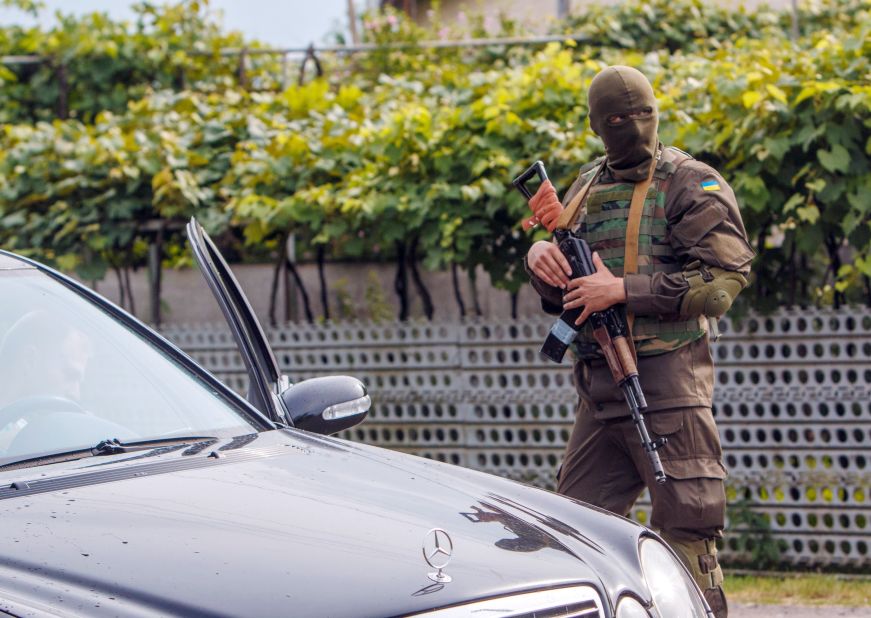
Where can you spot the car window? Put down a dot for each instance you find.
(71, 376)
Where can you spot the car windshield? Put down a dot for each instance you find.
(71, 376)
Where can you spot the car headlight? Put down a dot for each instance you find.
(629, 607)
(674, 593)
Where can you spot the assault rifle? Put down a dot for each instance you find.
(609, 329)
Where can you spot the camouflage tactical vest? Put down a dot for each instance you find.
(603, 225)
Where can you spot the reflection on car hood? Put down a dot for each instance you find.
(291, 524)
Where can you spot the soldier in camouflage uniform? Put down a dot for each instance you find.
(693, 258)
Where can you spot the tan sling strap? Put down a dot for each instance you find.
(633, 227)
(633, 223)
(568, 216)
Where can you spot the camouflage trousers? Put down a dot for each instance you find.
(605, 465)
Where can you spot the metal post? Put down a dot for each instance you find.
(352, 22)
(242, 69)
(154, 267)
(285, 81)
(291, 306)
(63, 92)
(794, 20)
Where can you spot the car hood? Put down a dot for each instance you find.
(288, 523)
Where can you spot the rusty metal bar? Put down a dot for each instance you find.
(363, 47)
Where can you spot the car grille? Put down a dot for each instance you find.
(568, 602)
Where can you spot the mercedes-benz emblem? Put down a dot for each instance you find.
(437, 551)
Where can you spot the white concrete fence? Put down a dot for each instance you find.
(792, 401)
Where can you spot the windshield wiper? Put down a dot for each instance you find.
(115, 446)
(112, 446)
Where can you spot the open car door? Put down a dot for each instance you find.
(323, 405)
(265, 380)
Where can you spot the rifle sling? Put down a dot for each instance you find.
(633, 228)
(568, 216)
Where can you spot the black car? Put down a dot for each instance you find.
(134, 483)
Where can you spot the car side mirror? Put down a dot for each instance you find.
(328, 404)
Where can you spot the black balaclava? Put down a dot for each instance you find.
(630, 145)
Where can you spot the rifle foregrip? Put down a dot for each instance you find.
(612, 357)
(624, 354)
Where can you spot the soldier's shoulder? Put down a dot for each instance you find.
(674, 153)
(670, 160)
(695, 180)
(589, 167)
(693, 168)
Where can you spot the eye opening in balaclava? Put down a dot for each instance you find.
(615, 120)
(623, 113)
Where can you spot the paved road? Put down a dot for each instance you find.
(796, 611)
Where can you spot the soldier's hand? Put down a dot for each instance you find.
(596, 292)
(546, 206)
(549, 264)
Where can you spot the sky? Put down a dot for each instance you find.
(282, 23)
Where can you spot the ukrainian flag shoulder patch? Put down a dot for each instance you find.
(711, 185)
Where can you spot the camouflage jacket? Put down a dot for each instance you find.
(703, 223)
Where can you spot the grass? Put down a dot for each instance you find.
(799, 589)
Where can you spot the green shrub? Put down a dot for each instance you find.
(416, 165)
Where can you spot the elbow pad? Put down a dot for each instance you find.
(712, 290)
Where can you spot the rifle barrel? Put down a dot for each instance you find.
(632, 396)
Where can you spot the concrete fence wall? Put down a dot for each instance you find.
(186, 297)
(793, 404)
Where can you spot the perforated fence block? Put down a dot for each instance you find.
(792, 403)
